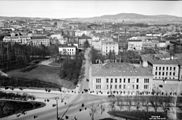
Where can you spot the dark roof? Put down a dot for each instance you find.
(39, 37)
(65, 45)
(119, 69)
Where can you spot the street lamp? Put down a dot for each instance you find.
(57, 98)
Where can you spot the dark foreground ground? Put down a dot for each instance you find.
(9, 107)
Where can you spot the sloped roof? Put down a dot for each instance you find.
(119, 69)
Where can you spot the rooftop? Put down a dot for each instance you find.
(119, 69)
(39, 37)
(65, 45)
(153, 60)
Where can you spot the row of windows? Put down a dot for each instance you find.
(120, 87)
(68, 49)
(163, 73)
(163, 68)
(98, 80)
(164, 78)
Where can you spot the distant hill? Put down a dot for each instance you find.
(132, 18)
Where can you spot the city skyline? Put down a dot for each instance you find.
(83, 9)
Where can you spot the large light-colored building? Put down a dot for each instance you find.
(17, 39)
(135, 44)
(67, 50)
(163, 70)
(109, 46)
(40, 40)
(167, 69)
(120, 79)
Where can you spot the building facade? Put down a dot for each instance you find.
(135, 45)
(109, 46)
(67, 50)
(40, 40)
(17, 39)
(120, 79)
(166, 69)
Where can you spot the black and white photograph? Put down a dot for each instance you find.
(90, 60)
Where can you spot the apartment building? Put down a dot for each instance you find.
(167, 69)
(135, 45)
(17, 39)
(67, 50)
(109, 46)
(40, 40)
(120, 79)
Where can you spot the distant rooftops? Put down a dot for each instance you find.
(15, 37)
(119, 69)
(39, 37)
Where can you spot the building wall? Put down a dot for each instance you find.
(180, 73)
(96, 44)
(134, 45)
(163, 71)
(111, 46)
(121, 84)
(20, 39)
(37, 42)
(67, 50)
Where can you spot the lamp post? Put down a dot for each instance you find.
(56, 98)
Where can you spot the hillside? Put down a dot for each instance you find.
(133, 18)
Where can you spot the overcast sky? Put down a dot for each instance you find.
(69, 9)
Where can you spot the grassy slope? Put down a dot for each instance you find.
(43, 73)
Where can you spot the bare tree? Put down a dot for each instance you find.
(93, 110)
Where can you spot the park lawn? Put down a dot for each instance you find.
(42, 73)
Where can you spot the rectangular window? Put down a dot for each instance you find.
(115, 86)
(163, 68)
(159, 68)
(120, 80)
(146, 86)
(155, 73)
(159, 73)
(166, 73)
(156, 67)
(137, 80)
(170, 73)
(174, 68)
(136, 86)
(133, 86)
(115, 80)
(107, 80)
(173, 73)
(162, 73)
(124, 80)
(128, 80)
(170, 68)
(107, 86)
(98, 80)
(124, 86)
(110, 86)
(98, 86)
(146, 80)
(119, 86)
(166, 68)
(111, 80)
